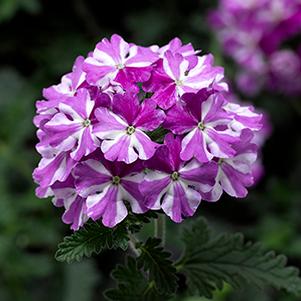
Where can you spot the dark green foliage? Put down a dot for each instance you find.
(211, 259)
(156, 262)
(151, 276)
(133, 284)
(158, 134)
(91, 239)
(135, 222)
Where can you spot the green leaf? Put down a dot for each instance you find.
(133, 284)
(158, 134)
(211, 259)
(92, 238)
(135, 222)
(8, 8)
(155, 260)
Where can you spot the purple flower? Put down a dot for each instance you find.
(71, 127)
(285, 71)
(56, 168)
(175, 185)
(235, 174)
(107, 186)
(178, 77)
(202, 119)
(186, 50)
(117, 60)
(123, 129)
(69, 83)
(65, 195)
(244, 117)
(253, 33)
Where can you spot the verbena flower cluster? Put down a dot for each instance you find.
(136, 128)
(257, 34)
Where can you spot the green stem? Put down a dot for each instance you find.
(160, 228)
(132, 244)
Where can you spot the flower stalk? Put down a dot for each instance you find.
(160, 228)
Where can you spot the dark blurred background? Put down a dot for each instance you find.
(39, 42)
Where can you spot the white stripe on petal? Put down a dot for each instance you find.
(193, 197)
(102, 59)
(97, 166)
(60, 173)
(193, 164)
(135, 206)
(226, 183)
(121, 211)
(70, 111)
(92, 200)
(183, 68)
(243, 162)
(89, 105)
(206, 106)
(60, 120)
(155, 175)
(168, 201)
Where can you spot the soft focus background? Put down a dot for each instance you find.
(39, 42)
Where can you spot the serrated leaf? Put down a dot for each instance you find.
(91, 239)
(155, 260)
(133, 284)
(135, 222)
(211, 259)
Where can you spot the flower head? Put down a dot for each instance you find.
(136, 128)
(107, 187)
(203, 120)
(117, 60)
(173, 184)
(123, 128)
(255, 34)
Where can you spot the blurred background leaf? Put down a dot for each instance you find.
(8, 8)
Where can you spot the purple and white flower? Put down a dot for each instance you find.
(107, 187)
(57, 168)
(123, 129)
(235, 174)
(65, 195)
(244, 117)
(70, 129)
(179, 77)
(117, 60)
(175, 185)
(176, 46)
(204, 122)
(69, 83)
(255, 35)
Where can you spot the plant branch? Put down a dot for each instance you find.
(160, 228)
(132, 244)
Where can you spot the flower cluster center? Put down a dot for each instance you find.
(178, 82)
(116, 180)
(175, 176)
(120, 66)
(130, 130)
(86, 123)
(201, 126)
